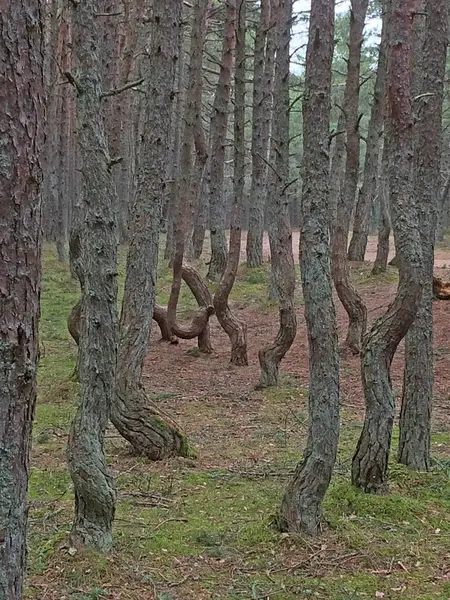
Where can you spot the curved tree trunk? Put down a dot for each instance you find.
(369, 468)
(415, 416)
(280, 234)
(218, 132)
(358, 243)
(301, 506)
(235, 329)
(22, 120)
(188, 189)
(204, 298)
(264, 53)
(138, 419)
(348, 295)
(198, 328)
(96, 266)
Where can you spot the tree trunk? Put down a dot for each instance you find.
(358, 243)
(264, 52)
(337, 168)
(415, 416)
(134, 415)
(443, 210)
(22, 134)
(280, 234)
(188, 189)
(97, 269)
(384, 224)
(348, 295)
(301, 506)
(369, 468)
(235, 329)
(218, 133)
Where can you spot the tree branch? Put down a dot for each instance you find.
(123, 88)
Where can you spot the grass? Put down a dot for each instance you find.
(194, 529)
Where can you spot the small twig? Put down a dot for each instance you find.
(269, 165)
(168, 521)
(111, 14)
(114, 161)
(424, 95)
(71, 79)
(123, 88)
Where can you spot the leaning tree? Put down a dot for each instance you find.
(369, 468)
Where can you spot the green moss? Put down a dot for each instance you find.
(180, 519)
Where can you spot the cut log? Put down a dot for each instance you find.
(441, 290)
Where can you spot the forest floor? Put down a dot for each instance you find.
(203, 529)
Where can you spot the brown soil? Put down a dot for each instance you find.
(206, 394)
(441, 256)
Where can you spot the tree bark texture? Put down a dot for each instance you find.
(218, 133)
(348, 295)
(94, 488)
(280, 233)
(367, 194)
(384, 221)
(415, 416)
(235, 329)
(188, 188)
(134, 415)
(369, 468)
(21, 147)
(264, 54)
(301, 506)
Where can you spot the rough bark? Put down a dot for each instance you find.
(301, 506)
(188, 189)
(348, 295)
(203, 296)
(56, 124)
(21, 148)
(264, 52)
(415, 415)
(218, 133)
(97, 270)
(369, 468)
(134, 415)
(443, 210)
(337, 167)
(384, 223)
(234, 328)
(367, 194)
(178, 110)
(280, 233)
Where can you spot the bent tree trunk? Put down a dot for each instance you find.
(234, 328)
(301, 506)
(189, 177)
(369, 467)
(280, 234)
(95, 493)
(358, 243)
(21, 149)
(415, 416)
(138, 420)
(218, 132)
(347, 293)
